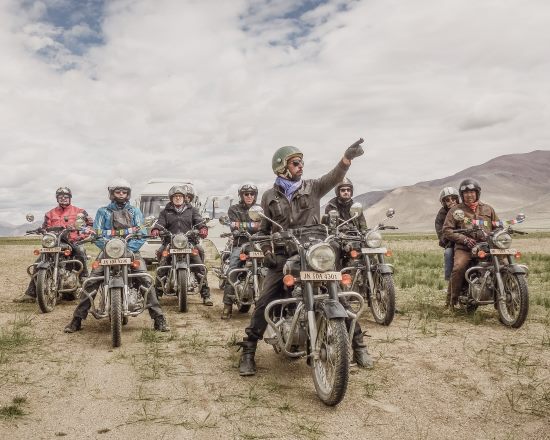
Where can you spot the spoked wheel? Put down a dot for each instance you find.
(116, 316)
(182, 290)
(45, 293)
(383, 298)
(513, 311)
(331, 370)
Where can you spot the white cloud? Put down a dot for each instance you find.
(208, 90)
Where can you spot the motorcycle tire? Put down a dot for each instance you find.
(116, 316)
(182, 290)
(383, 298)
(330, 376)
(45, 295)
(513, 311)
(244, 308)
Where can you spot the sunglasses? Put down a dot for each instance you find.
(450, 198)
(297, 162)
(247, 194)
(120, 191)
(345, 190)
(178, 196)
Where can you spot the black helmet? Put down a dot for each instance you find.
(248, 187)
(469, 184)
(64, 190)
(345, 182)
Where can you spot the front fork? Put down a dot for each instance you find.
(498, 276)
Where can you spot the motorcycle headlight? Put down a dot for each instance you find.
(48, 240)
(374, 239)
(321, 257)
(115, 248)
(502, 240)
(180, 241)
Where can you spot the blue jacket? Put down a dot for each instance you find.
(103, 226)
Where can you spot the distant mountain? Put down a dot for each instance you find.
(511, 183)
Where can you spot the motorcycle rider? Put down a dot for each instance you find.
(342, 203)
(469, 191)
(180, 216)
(116, 216)
(64, 214)
(240, 221)
(448, 197)
(292, 202)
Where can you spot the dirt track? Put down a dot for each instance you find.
(434, 378)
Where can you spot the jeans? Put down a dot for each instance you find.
(448, 257)
(234, 261)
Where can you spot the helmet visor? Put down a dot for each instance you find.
(469, 186)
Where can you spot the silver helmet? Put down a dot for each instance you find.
(448, 191)
(119, 183)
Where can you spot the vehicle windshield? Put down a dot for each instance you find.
(152, 205)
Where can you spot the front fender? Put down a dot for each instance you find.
(43, 265)
(384, 268)
(182, 265)
(515, 269)
(332, 308)
(116, 282)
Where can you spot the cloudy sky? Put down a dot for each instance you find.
(207, 90)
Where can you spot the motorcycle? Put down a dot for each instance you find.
(247, 279)
(177, 279)
(494, 276)
(56, 273)
(310, 322)
(363, 259)
(120, 294)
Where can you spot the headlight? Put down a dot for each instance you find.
(321, 257)
(502, 240)
(180, 241)
(115, 248)
(48, 240)
(374, 239)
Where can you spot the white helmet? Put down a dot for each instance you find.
(119, 183)
(446, 192)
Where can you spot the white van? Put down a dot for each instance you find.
(151, 201)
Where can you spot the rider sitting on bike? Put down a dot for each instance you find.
(119, 215)
(240, 222)
(180, 216)
(448, 197)
(474, 210)
(342, 204)
(293, 203)
(63, 215)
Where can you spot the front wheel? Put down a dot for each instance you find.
(45, 292)
(331, 370)
(383, 298)
(513, 310)
(182, 290)
(116, 316)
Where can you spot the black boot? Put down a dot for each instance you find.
(74, 326)
(205, 293)
(160, 324)
(247, 364)
(360, 352)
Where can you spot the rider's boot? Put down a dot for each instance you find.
(74, 326)
(160, 324)
(227, 311)
(205, 294)
(360, 352)
(29, 296)
(247, 364)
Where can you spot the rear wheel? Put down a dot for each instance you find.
(383, 298)
(513, 310)
(331, 370)
(182, 290)
(45, 293)
(116, 316)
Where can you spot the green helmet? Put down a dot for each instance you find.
(281, 156)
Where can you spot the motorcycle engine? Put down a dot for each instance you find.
(69, 279)
(481, 288)
(299, 337)
(135, 299)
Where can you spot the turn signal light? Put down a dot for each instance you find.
(67, 252)
(289, 280)
(135, 264)
(482, 254)
(517, 255)
(195, 251)
(353, 253)
(389, 253)
(36, 252)
(95, 264)
(165, 253)
(346, 279)
(242, 257)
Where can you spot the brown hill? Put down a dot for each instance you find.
(511, 183)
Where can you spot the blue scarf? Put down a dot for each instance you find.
(289, 186)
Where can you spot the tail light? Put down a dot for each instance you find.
(389, 253)
(482, 254)
(346, 279)
(95, 265)
(289, 280)
(165, 253)
(517, 255)
(353, 253)
(136, 264)
(36, 252)
(242, 257)
(67, 252)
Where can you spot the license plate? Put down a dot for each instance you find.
(256, 254)
(114, 261)
(181, 251)
(373, 250)
(52, 250)
(320, 276)
(502, 251)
